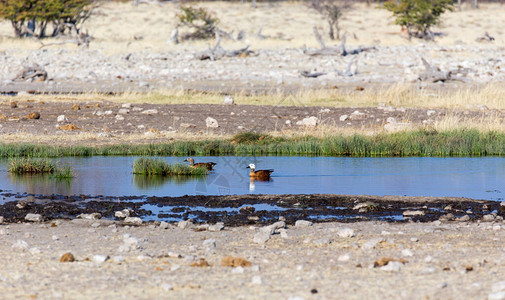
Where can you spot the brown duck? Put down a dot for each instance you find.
(260, 174)
(208, 165)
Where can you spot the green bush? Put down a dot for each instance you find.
(202, 23)
(417, 16)
(32, 17)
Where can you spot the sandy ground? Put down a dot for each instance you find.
(440, 261)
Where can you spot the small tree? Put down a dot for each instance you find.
(31, 17)
(418, 16)
(200, 20)
(332, 10)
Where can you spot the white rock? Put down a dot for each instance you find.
(20, 245)
(33, 218)
(392, 266)
(175, 268)
(357, 115)
(126, 105)
(228, 100)
(209, 243)
(95, 225)
(496, 296)
(61, 119)
(211, 122)
(488, 218)
(256, 280)
(164, 225)
(284, 233)
(430, 112)
(185, 224)
(390, 120)
(498, 286)
(413, 213)
(119, 117)
(270, 229)
(344, 258)
(92, 216)
(309, 121)
(167, 287)
(407, 253)
(150, 111)
(133, 220)
(303, 223)
(118, 258)
(1, 219)
(372, 243)
(108, 112)
(343, 118)
(100, 258)
(261, 237)
(123, 111)
(122, 213)
(345, 232)
(34, 251)
(237, 270)
(216, 227)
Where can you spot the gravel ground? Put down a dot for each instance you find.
(434, 260)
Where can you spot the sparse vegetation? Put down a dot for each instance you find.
(461, 142)
(418, 16)
(332, 11)
(199, 20)
(153, 166)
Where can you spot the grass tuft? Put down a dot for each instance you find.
(38, 166)
(153, 166)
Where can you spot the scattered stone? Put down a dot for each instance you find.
(67, 257)
(256, 280)
(209, 244)
(464, 218)
(270, 229)
(344, 258)
(488, 218)
(216, 227)
(99, 259)
(407, 253)
(22, 204)
(92, 216)
(343, 118)
(129, 244)
(164, 225)
(309, 121)
(237, 270)
(303, 223)
(230, 261)
(133, 221)
(345, 232)
(62, 119)
(372, 243)
(321, 242)
(261, 237)
(284, 233)
(123, 111)
(496, 296)
(357, 115)
(431, 112)
(167, 287)
(95, 225)
(446, 217)
(211, 123)
(33, 218)
(185, 224)
(1, 219)
(20, 245)
(126, 105)
(150, 111)
(393, 266)
(119, 117)
(121, 214)
(413, 213)
(228, 100)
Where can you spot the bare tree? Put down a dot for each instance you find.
(332, 10)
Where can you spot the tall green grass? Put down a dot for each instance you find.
(153, 166)
(409, 143)
(38, 166)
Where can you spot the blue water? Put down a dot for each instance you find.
(478, 178)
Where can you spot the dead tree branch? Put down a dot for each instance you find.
(324, 50)
(217, 52)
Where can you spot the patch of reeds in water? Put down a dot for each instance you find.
(38, 166)
(461, 142)
(154, 166)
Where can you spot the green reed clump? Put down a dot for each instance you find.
(38, 166)
(153, 166)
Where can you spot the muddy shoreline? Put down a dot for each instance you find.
(253, 209)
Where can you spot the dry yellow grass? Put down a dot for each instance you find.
(119, 27)
(471, 98)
